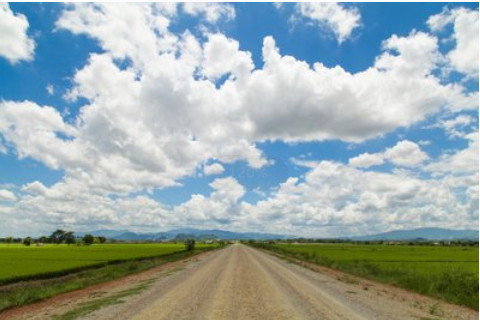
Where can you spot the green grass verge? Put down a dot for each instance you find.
(18, 294)
(450, 274)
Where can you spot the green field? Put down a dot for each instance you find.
(18, 262)
(449, 273)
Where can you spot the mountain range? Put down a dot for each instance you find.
(183, 233)
(421, 233)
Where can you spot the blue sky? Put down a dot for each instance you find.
(317, 119)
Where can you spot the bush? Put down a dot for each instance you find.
(190, 244)
(88, 239)
(27, 241)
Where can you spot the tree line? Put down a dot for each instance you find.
(58, 236)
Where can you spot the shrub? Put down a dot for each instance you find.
(27, 241)
(88, 239)
(190, 244)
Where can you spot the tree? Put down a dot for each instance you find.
(8, 239)
(69, 237)
(102, 239)
(88, 239)
(27, 241)
(190, 244)
(58, 236)
(43, 239)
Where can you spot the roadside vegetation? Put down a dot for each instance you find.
(445, 272)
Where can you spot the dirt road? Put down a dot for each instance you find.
(244, 283)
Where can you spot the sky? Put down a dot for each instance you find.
(307, 119)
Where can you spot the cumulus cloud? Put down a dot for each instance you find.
(464, 161)
(213, 169)
(332, 16)
(154, 114)
(334, 196)
(211, 12)
(464, 56)
(366, 160)
(16, 45)
(157, 118)
(7, 195)
(222, 56)
(331, 199)
(404, 153)
(456, 127)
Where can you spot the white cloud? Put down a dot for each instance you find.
(34, 131)
(35, 187)
(464, 161)
(331, 199)
(7, 195)
(336, 17)
(154, 115)
(464, 57)
(337, 199)
(219, 208)
(153, 121)
(50, 89)
(222, 56)
(211, 12)
(404, 153)
(456, 127)
(213, 169)
(366, 160)
(16, 45)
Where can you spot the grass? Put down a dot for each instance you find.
(448, 273)
(18, 262)
(18, 294)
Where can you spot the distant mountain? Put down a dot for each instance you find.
(422, 234)
(183, 233)
(102, 233)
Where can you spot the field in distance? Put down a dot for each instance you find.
(449, 273)
(18, 262)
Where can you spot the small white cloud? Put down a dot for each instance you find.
(36, 188)
(50, 89)
(213, 169)
(424, 142)
(7, 195)
(336, 17)
(464, 57)
(212, 12)
(406, 153)
(366, 160)
(455, 127)
(15, 45)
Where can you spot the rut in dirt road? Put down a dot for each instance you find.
(240, 282)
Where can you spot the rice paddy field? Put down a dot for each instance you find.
(18, 262)
(449, 273)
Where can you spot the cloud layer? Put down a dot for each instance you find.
(162, 106)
